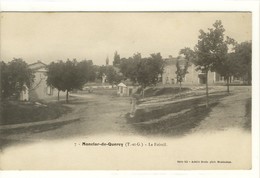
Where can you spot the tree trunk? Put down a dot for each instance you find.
(180, 87)
(58, 95)
(228, 84)
(207, 91)
(67, 96)
(143, 92)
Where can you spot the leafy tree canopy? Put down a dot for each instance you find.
(117, 60)
(144, 71)
(14, 75)
(70, 75)
(112, 75)
(211, 47)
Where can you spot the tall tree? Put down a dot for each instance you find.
(243, 54)
(225, 69)
(55, 76)
(14, 75)
(210, 49)
(128, 67)
(116, 61)
(158, 62)
(182, 70)
(225, 66)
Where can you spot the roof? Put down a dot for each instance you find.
(170, 61)
(121, 85)
(37, 65)
(41, 70)
(173, 61)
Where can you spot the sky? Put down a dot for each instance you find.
(53, 36)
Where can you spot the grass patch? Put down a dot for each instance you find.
(170, 119)
(163, 91)
(146, 114)
(176, 126)
(14, 112)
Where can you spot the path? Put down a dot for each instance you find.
(95, 114)
(104, 115)
(101, 121)
(229, 113)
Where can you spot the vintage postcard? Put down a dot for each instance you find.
(136, 90)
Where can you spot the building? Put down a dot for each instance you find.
(126, 88)
(193, 77)
(40, 89)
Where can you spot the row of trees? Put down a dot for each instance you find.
(69, 75)
(213, 52)
(219, 53)
(141, 71)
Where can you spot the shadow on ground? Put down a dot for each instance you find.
(175, 119)
(175, 126)
(6, 142)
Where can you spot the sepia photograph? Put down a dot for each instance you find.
(136, 90)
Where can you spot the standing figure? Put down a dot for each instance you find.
(134, 101)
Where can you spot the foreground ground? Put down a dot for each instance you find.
(102, 117)
(104, 114)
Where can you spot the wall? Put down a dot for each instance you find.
(192, 77)
(40, 89)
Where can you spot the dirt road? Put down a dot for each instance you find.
(222, 135)
(231, 112)
(104, 114)
(94, 115)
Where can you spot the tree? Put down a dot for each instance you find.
(144, 71)
(113, 77)
(73, 76)
(14, 75)
(101, 71)
(55, 76)
(189, 54)
(128, 67)
(117, 60)
(225, 67)
(4, 80)
(189, 57)
(158, 62)
(182, 70)
(210, 50)
(243, 55)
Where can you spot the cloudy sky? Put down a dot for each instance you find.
(54, 36)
